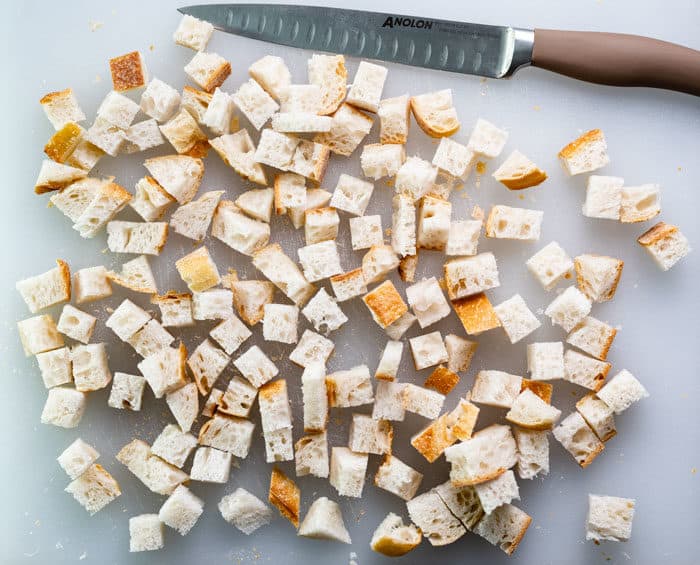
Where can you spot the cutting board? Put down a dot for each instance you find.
(652, 137)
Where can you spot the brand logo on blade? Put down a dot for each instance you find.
(399, 21)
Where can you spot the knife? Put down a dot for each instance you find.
(485, 50)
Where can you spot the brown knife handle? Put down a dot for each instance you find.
(618, 59)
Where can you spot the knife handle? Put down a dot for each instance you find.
(618, 59)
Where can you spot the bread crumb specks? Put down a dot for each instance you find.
(95, 25)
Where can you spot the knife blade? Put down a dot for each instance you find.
(490, 51)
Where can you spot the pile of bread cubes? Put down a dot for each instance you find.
(481, 486)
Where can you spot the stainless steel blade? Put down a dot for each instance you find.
(491, 51)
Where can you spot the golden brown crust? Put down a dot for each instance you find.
(580, 404)
(516, 541)
(531, 178)
(600, 377)
(464, 422)
(431, 127)
(197, 270)
(656, 233)
(64, 273)
(347, 276)
(480, 479)
(170, 295)
(385, 303)
(432, 441)
(407, 268)
(608, 343)
(218, 77)
(330, 391)
(476, 313)
(127, 71)
(574, 147)
(199, 149)
(63, 142)
(285, 495)
(442, 380)
(583, 283)
(393, 547)
(333, 91)
(52, 96)
(543, 390)
(272, 389)
(591, 456)
(321, 164)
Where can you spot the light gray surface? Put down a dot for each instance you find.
(653, 137)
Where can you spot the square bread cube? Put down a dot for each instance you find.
(184, 405)
(320, 260)
(94, 489)
(211, 404)
(597, 276)
(143, 238)
(301, 122)
(640, 203)
(574, 434)
(230, 334)
(453, 158)
(198, 270)
(257, 203)
(227, 433)
(85, 155)
(476, 313)
(175, 309)
(435, 113)
(311, 455)
(463, 237)
(55, 367)
(160, 100)
(603, 197)
(245, 511)
(165, 370)
(91, 284)
(415, 178)
(518, 172)
(394, 476)
(46, 289)
(488, 454)
(255, 104)
(289, 191)
(388, 401)
(348, 470)
(504, 527)
(64, 407)
(496, 388)
(118, 110)
(135, 275)
(622, 391)
(324, 313)
(609, 518)
(312, 348)
(173, 445)
(394, 119)
(533, 452)
(77, 458)
(434, 519)
(285, 495)
(256, 367)
(280, 323)
(366, 89)
(272, 74)
(378, 262)
(427, 302)
(403, 225)
(181, 510)
(598, 415)
(275, 412)
(349, 388)
(666, 245)
(531, 408)
(442, 380)
(569, 308)
(487, 140)
(385, 304)
(428, 350)
(157, 475)
(107, 137)
(382, 160)
(432, 440)
(150, 200)
(210, 465)
(126, 392)
(516, 318)
(310, 159)
(150, 338)
(193, 33)
(352, 195)
(219, 112)
(368, 435)
(549, 265)
(396, 330)
(300, 99)
(586, 154)
(208, 70)
(433, 223)
(284, 273)
(315, 397)
(276, 149)
(497, 492)
(90, 369)
(62, 108)
(128, 71)
(145, 533)
(349, 285)
(142, 136)
(238, 151)
(206, 363)
(183, 133)
(238, 398)
(213, 304)
(55, 176)
(585, 371)
(237, 230)
(348, 129)
(460, 352)
(389, 363)
(462, 502)
(366, 231)
(506, 222)
(321, 224)
(470, 275)
(422, 401)
(545, 360)
(593, 337)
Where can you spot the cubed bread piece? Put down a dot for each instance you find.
(569, 308)
(213, 304)
(622, 391)
(301, 99)
(352, 387)
(210, 465)
(219, 112)
(666, 245)
(389, 363)
(349, 285)
(128, 71)
(150, 199)
(230, 334)
(55, 176)
(198, 270)
(598, 416)
(593, 337)
(578, 439)
(192, 219)
(403, 225)
(504, 527)
(238, 398)
(382, 160)
(275, 149)
(39, 334)
(311, 455)
(385, 304)
(378, 262)
(428, 350)
(89, 365)
(347, 473)
(227, 434)
(61, 144)
(415, 178)
(285, 495)
(496, 388)
(324, 521)
(145, 533)
(506, 222)
(237, 230)
(94, 489)
(255, 104)
(64, 407)
(250, 297)
(367, 86)
(396, 330)
(126, 392)
(518, 172)
(603, 197)
(206, 363)
(160, 100)
(550, 265)
(135, 275)
(393, 538)
(433, 223)
(143, 238)
(476, 313)
(91, 284)
(597, 276)
(290, 192)
(329, 73)
(368, 435)
(55, 367)
(488, 454)
(106, 136)
(324, 313)
(365, 231)
(407, 268)
(463, 237)
(470, 275)
(388, 401)
(541, 389)
(533, 452)
(179, 175)
(352, 195)
(442, 380)
(275, 411)
(238, 151)
(208, 70)
(320, 260)
(585, 371)
(272, 74)
(453, 158)
(435, 113)
(312, 348)
(280, 323)
(321, 224)
(516, 318)
(165, 370)
(61, 108)
(245, 511)
(184, 405)
(422, 401)
(256, 203)
(310, 160)
(175, 309)
(545, 360)
(255, 366)
(640, 203)
(85, 155)
(529, 411)
(173, 445)
(394, 476)
(155, 473)
(486, 139)
(195, 102)
(272, 262)
(586, 154)
(315, 397)
(211, 406)
(497, 492)
(432, 440)
(435, 520)
(460, 352)
(181, 510)
(118, 110)
(142, 136)
(348, 129)
(75, 198)
(394, 119)
(77, 458)
(463, 502)
(184, 134)
(609, 518)
(47, 289)
(427, 302)
(300, 122)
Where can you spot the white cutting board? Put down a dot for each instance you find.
(653, 137)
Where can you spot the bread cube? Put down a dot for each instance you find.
(237, 400)
(428, 350)
(597, 276)
(320, 260)
(403, 225)
(135, 275)
(290, 192)
(516, 318)
(388, 401)
(389, 363)
(192, 219)
(378, 262)
(382, 160)
(206, 363)
(315, 397)
(666, 245)
(422, 401)
(533, 452)
(470, 275)
(569, 308)
(488, 454)
(311, 455)
(550, 265)
(453, 158)
(394, 476)
(622, 391)
(198, 270)
(55, 367)
(497, 492)
(245, 511)
(415, 178)
(531, 412)
(300, 122)
(64, 407)
(504, 527)
(394, 119)
(94, 489)
(173, 445)
(90, 369)
(435, 113)
(280, 323)
(39, 334)
(193, 33)
(329, 73)
(366, 89)
(427, 302)
(165, 370)
(463, 503)
(144, 238)
(476, 313)
(275, 149)
(396, 330)
(256, 367)
(63, 143)
(255, 104)
(310, 159)
(407, 268)
(155, 473)
(586, 154)
(348, 129)
(257, 203)
(195, 102)
(300, 99)
(609, 518)
(442, 380)
(593, 337)
(603, 197)
(210, 465)
(118, 110)
(55, 176)
(496, 388)
(238, 151)
(127, 319)
(219, 112)
(211, 406)
(487, 140)
(181, 510)
(640, 203)
(285, 495)
(75, 198)
(145, 533)
(578, 439)
(348, 285)
(227, 433)
(585, 371)
(434, 519)
(183, 133)
(61, 108)
(505, 222)
(237, 230)
(312, 348)
(128, 71)
(160, 100)
(366, 231)
(91, 284)
(433, 223)
(275, 411)
(142, 136)
(324, 521)
(349, 388)
(77, 458)
(545, 361)
(385, 304)
(272, 74)
(272, 262)
(598, 416)
(127, 392)
(179, 175)
(463, 237)
(208, 70)
(184, 405)
(347, 473)
(150, 199)
(46, 289)
(518, 172)
(368, 435)
(175, 309)
(321, 224)
(106, 136)
(352, 195)
(324, 313)
(460, 352)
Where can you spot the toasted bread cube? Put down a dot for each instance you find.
(403, 225)
(435, 113)
(352, 195)
(118, 110)
(285, 495)
(367, 86)
(61, 108)
(312, 348)
(64, 407)
(545, 361)
(453, 158)
(378, 262)
(497, 492)
(487, 140)
(316, 397)
(460, 352)
(329, 73)
(238, 151)
(39, 334)
(518, 172)
(598, 415)
(128, 71)
(385, 304)
(290, 192)
(256, 367)
(516, 318)
(394, 119)
(127, 319)
(421, 401)
(143, 238)
(237, 230)
(666, 245)
(389, 363)
(463, 503)
(350, 388)
(434, 519)
(77, 458)
(609, 518)
(488, 454)
(227, 434)
(324, 313)
(476, 313)
(62, 143)
(586, 154)
(349, 127)
(622, 391)
(349, 285)
(46, 289)
(206, 363)
(347, 474)
(428, 350)
(366, 231)
(427, 302)
(145, 533)
(193, 33)
(388, 401)
(311, 455)
(585, 371)
(165, 370)
(533, 452)
(505, 222)
(578, 439)
(462, 420)
(175, 309)
(55, 176)
(640, 203)
(255, 104)
(105, 136)
(471, 275)
(135, 275)
(463, 237)
(531, 412)
(210, 465)
(603, 197)
(550, 265)
(272, 74)
(396, 330)
(90, 369)
(569, 308)
(597, 276)
(442, 380)
(433, 223)
(415, 178)
(208, 70)
(55, 367)
(245, 511)
(275, 412)
(237, 400)
(198, 270)
(504, 527)
(320, 260)
(94, 489)
(257, 203)
(432, 440)
(382, 160)
(593, 337)
(181, 510)
(407, 268)
(250, 297)
(496, 388)
(160, 100)
(150, 199)
(394, 476)
(127, 391)
(283, 272)
(368, 435)
(183, 133)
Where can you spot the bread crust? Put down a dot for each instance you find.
(476, 313)
(442, 380)
(516, 541)
(656, 233)
(541, 389)
(333, 91)
(385, 303)
(583, 285)
(392, 547)
(127, 72)
(63, 142)
(285, 495)
(575, 146)
(432, 128)
(64, 274)
(479, 479)
(527, 179)
(432, 441)
(59, 94)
